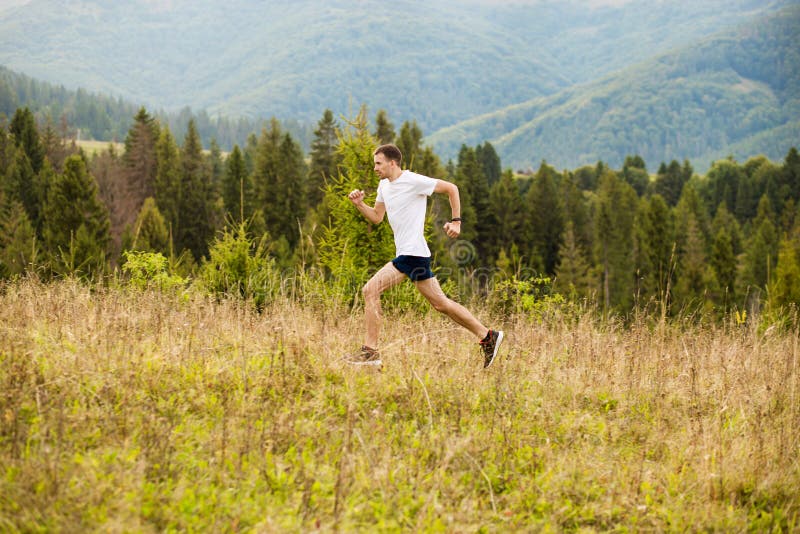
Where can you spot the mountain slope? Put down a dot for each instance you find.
(437, 62)
(723, 93)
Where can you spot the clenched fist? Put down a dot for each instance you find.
(452, 229)
(356, 196)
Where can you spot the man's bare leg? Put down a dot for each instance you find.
(432, 291)
(385, 278)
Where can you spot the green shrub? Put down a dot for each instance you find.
(151, 270)
(533, 296)
(241, 266)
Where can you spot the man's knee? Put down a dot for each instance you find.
(442, 305)
(370, 291)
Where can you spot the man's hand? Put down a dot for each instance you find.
(356, 196)
(452, 229)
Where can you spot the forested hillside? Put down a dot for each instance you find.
(83, 115)
(619, 237)
(735, 93)
(435, 62)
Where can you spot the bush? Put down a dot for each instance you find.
(242, 267)
(150, 270)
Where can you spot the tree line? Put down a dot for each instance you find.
(622, 238)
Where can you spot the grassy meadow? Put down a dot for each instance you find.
(137, 411)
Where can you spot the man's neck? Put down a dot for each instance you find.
(396, 174)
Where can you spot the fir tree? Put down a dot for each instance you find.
(18, 244)
(762, 249)
(656, 247)
(168, 185)
(26, 136)
(76, 224)
(324, 159)
(544, 219)
(237, 188)
(723, 262)
(695, 277)
(573, 274)
(490, 162)
(140, 161)
(384, 129)
(670, 181)
(505, 214)
(785, 286)
(351, 248)
(614, 218)
(195, 208)
(634, 172)
(410, 144)
(280, 184)
(151, 234)
(474, 195)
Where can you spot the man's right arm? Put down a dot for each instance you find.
(373, 215)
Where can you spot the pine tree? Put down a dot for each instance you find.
(576, 211)
(490, 162)
(76, 224)
(20, 184)
(791, 173)
(762, 249)
(785, 285)
(695, 277)
(18, 244)
(26, 136)
(384, 129)
(690, 204)
(292, 174)
(670, 181)
(323, 157)
(723, 262)
(724, 219)
(216, 169)
(429, 163)
(280, 185)
(410, 144)
(195, 209)
(544, 219)
(505, 214)
(151, 234)
(168, 185)
(140, 161)
(237, 188)
(634, 172)
(614, 219)
(351, 248)
(474, 195)
(724, 182)
(573, 275)
(656, 246)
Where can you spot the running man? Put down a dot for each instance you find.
(402, 196)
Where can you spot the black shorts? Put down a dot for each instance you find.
(417, 268)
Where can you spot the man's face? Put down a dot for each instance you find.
(383, 166)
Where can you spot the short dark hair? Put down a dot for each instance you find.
(390, 152)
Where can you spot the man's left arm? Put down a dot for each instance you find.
(451, 228)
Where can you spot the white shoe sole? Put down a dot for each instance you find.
(374, 363)
(496, 348)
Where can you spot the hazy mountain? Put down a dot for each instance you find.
(736, 93)
(438, 62)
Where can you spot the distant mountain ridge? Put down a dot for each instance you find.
(736, 93)
(436, 62)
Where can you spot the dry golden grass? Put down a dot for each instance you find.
(138, 411)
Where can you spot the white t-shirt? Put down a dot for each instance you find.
(406, 203)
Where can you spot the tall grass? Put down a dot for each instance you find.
(139, 411)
